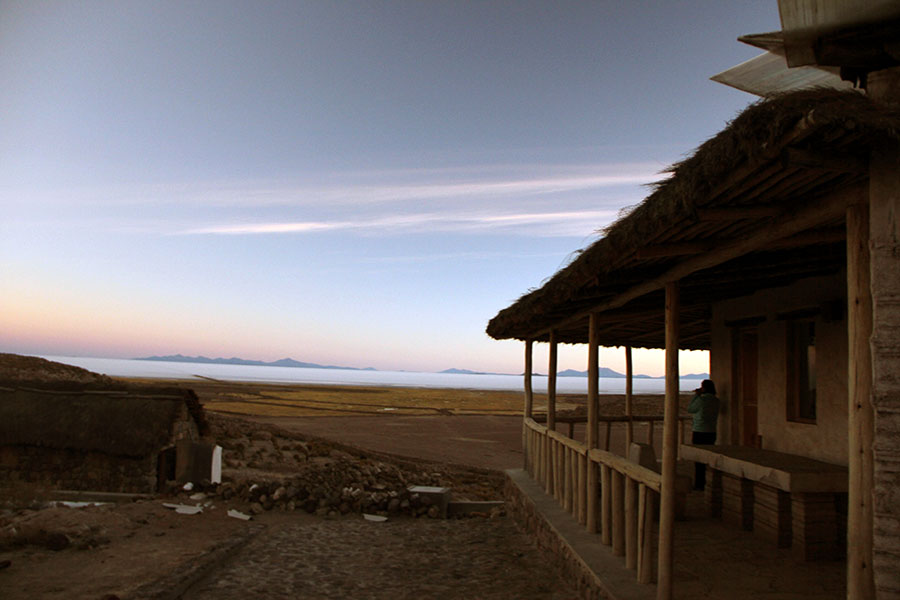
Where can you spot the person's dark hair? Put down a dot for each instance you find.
(708, 387)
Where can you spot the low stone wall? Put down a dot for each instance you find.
(36, 466)
(564, 560)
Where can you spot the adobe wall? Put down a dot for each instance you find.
(75, 470)
(884, 237)
(827, 438)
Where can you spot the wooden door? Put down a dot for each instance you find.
(745, 427)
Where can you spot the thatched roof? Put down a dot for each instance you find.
(779, 156)
(126, 422)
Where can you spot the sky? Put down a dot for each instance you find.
(351, 183)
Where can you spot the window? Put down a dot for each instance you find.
(801, 370)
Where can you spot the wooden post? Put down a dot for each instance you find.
(593, 397)
(529, 390)
(605, 505)
(551, 384)
(884, 268)
(529, 398)
(592, 424)
(618, 513)
(592, 493)
(645, 535)
(861, 417)
(582, 489)
(667, 491)
(631, 524)
(629, 399)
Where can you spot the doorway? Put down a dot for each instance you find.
(745, 419)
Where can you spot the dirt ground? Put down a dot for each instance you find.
(143, 549)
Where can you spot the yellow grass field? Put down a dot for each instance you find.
(301, 400)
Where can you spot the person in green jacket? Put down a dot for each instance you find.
(705, 408)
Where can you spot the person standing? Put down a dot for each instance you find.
(705, 408)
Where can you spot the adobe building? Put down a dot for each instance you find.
(776, 247)
(91, 433)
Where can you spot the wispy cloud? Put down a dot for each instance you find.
(550, 223)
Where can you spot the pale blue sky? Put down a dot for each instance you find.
(357, 183)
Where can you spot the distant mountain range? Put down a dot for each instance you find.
(284, 362)
(604, 372)
(290, 362)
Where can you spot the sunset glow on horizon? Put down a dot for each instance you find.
(339, 183)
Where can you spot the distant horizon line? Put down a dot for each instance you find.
(292, 363)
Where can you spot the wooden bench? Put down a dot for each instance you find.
(795, 501)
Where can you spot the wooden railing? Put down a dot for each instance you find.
(607, 422)
(620, 504)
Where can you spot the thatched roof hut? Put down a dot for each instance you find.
(68, 428)
(135, 422)
(765, 166)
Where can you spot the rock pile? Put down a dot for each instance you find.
(271, 469)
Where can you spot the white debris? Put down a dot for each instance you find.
(375, 518)
(239, 515)
(198, 496)
(188, 486)
(184, 509)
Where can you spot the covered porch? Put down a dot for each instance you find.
(763, 232)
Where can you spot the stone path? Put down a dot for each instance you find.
(402, 558)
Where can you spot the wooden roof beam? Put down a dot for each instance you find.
(810, 159)
(676, 249)
(789, 223)
(738, 213)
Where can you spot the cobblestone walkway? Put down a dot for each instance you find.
(403, 558)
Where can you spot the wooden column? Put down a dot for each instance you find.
(551, 415)
(605, 505)
(529, 390)
(646, 499)
(529, 401)
(618, 513)
(884, 269)
(591, 434)
(629, 400)
(861, 417)
(582, 488)
(593, 392)
(670, 439)
(551, 384)
(631, 524)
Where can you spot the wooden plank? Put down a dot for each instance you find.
(809, 159)
(569, 474)
(738, 213)
(618, 514)
(605, 504)
(861, 412)
(675, 249)
(665, 569)
(645, 535)
(631, 523)
(582, 489)
(592, 494)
